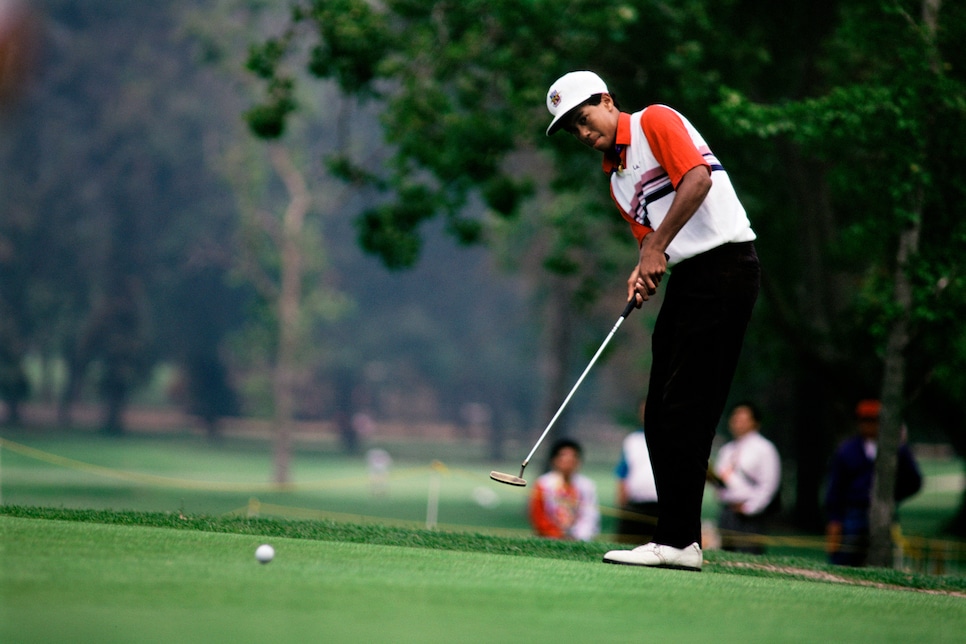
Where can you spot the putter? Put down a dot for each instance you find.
(519, 481)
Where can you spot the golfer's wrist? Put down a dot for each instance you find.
(651, 243)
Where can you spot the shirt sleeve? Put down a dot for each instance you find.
(622, 468)
(768, 476)
(670, 142)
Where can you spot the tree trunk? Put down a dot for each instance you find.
(882, 510)
(289, 304)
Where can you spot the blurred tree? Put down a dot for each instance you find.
(137, 115)
(202, 312)
(282, 246)
(106, 196)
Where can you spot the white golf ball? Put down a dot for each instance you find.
(264, 553)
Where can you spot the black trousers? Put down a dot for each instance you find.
(695, 344)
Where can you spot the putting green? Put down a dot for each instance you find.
(79, 582)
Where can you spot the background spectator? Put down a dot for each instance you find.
(636, 491)
(849, 493)
(747, 477)
(564, 502)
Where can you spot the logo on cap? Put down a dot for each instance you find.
(555, 98)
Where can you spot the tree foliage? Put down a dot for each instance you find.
(886, 131)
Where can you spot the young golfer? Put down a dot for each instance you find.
(684, 213)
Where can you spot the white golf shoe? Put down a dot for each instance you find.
(657, 556)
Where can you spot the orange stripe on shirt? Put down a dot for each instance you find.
(670, 142)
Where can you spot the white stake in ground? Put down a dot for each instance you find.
(519, 481)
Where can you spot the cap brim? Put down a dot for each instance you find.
(560, 120)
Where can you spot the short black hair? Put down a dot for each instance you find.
(565, 443)
(567, 121)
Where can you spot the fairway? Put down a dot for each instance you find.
(86, 582)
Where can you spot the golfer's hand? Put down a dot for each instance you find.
(647, 276)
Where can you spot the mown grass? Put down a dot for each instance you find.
(379, 534)
(101, 576)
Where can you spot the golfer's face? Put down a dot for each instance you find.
(596, 125)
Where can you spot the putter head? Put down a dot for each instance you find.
(509, 479)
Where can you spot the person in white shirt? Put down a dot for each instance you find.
(636, 489)
(747, 476)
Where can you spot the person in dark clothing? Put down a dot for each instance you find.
(849, 493)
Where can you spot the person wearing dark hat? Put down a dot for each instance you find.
(849, 493)
(685, 216)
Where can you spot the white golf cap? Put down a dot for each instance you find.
(569, 91)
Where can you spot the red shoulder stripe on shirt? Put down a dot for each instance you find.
(670, 142)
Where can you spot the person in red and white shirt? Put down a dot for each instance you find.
(747, 474)
(564, 502)
(684, 213)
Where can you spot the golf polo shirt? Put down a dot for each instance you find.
(658, 146)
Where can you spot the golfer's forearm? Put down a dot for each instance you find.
(688, 197)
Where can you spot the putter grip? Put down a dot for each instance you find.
(630, 307)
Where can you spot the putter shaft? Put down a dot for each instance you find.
(627, 311)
